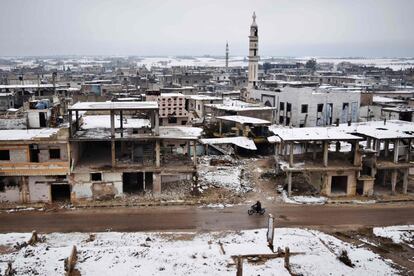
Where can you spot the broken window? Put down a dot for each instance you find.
(4, 155)
(320, 107)
(304, 108)
(282, 106)
(96, 176)
(288, 107)
(183, 123)
(172, 120)
(287, 121)
(281, 120)
(54, 153)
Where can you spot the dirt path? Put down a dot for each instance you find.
(327, 218)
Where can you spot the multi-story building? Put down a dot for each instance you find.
(307, 106)
(173, 108)
(34, 165)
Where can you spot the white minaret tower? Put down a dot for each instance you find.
(227, 55)
(253, 53)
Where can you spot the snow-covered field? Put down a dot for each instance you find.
(398, 234)
(190, 254)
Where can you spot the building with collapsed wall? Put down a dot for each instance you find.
(363, 158)
(124, 150)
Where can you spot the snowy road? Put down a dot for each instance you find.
(203, 219)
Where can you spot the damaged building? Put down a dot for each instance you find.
(369, 158)
(123, 150)
(34, 165)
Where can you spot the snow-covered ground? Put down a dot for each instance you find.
(190, 254)
(231, 176)
(303, 199)
(398, 234)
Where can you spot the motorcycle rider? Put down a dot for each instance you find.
(257, 207)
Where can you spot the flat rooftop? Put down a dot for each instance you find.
(241, 141)
(85, 106)
(27, 134)
(391, 129)
(244, 120)
(20, 86)
(313, 134)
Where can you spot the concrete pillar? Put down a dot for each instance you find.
(405, 180)
(325, 153)
(369, 140)
(393, 180)
(113, 160)
(195, 153)
(396, 149)
(289, 179)
(373, 172)
(357, 154)
(121, 118)
(386, 148)
(112, 116)
(143, 180)
(156, 184)
(378, 147)
(77, 120)
(220, 127)
(291, 146)
(24, 192)
(157, 154)
(408, 155)
(337, 146)
(157, 123)
(70, 124)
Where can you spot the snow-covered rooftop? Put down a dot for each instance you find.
(312, 134)
(26, 134)
(244, 120)
(19, 86)
(166, 95)
(237, 105)
(204, 98)
(114, 106)
(381, 99)
(241, 141)
(104, 121)
(180, 132)
(392, 129)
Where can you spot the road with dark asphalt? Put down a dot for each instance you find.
(327, 217)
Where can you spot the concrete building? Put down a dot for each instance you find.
(197, 105)
(368, 158)
(310, 107)
(124, 150)
(34, 165)
(173, 109)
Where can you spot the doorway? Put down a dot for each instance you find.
(60, 192)
(133, 183)
(339, 184)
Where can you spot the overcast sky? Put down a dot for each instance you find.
(374, 28)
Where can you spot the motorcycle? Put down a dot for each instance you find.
(252, 210)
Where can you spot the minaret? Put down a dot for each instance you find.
(227, 55)
(253, 53)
